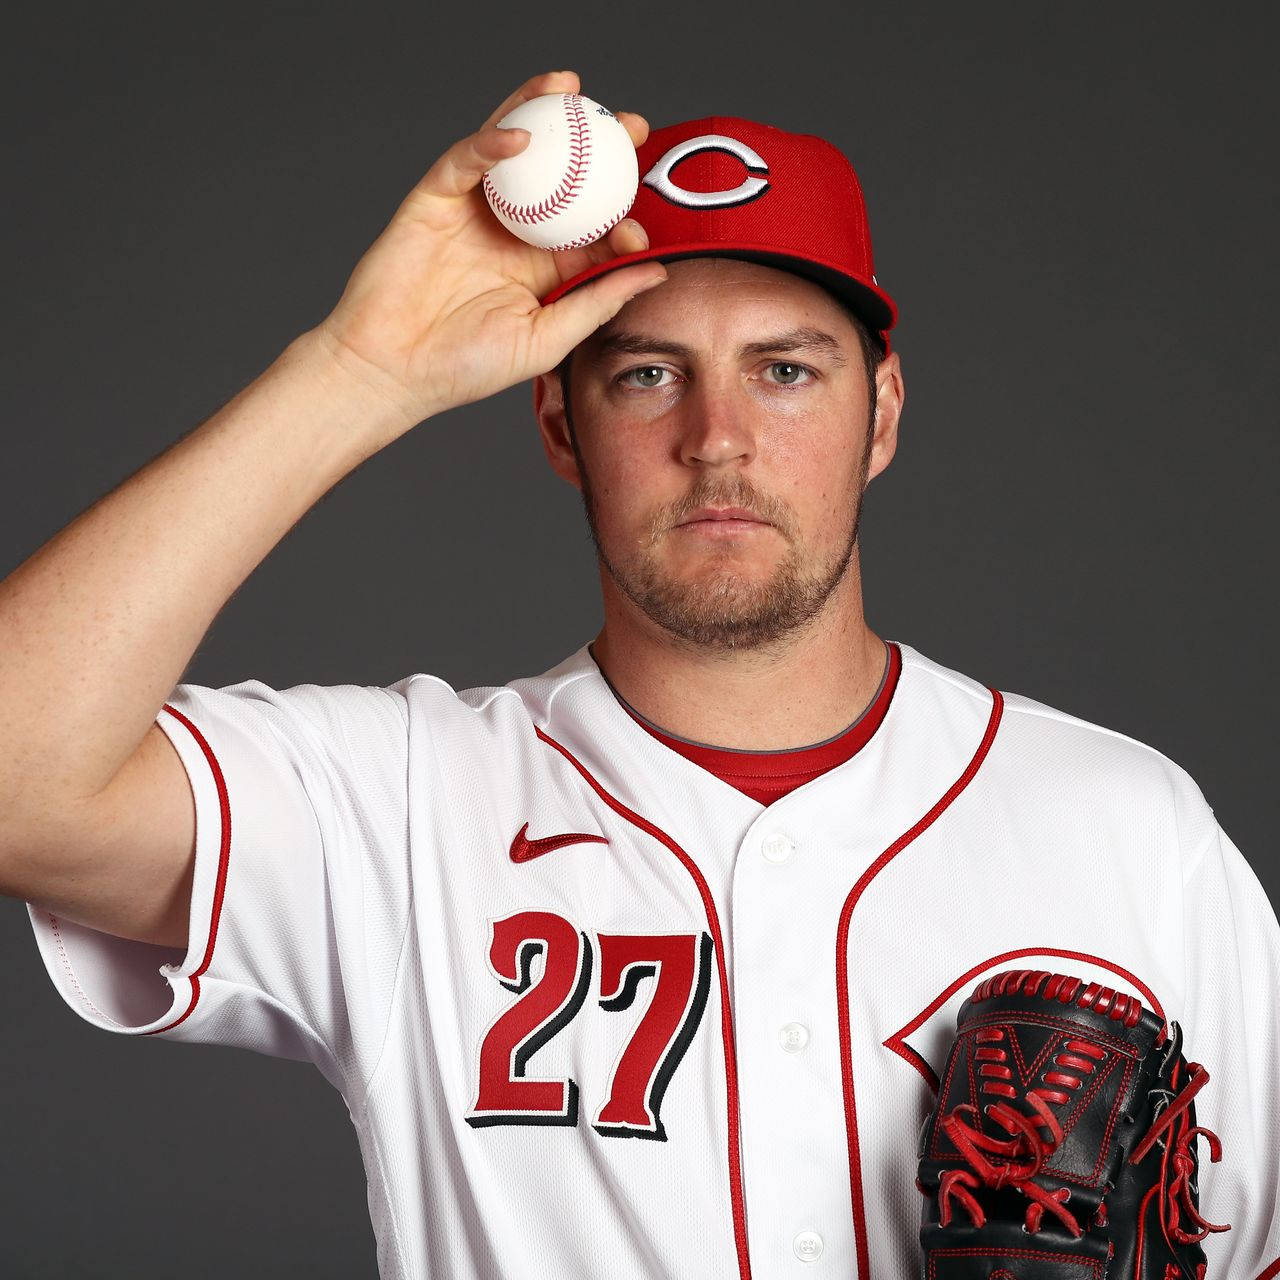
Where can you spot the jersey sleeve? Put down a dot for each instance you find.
(1231, 1025)
(300, 898)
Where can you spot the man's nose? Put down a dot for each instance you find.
(716, 423)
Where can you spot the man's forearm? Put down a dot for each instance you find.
(98, 625)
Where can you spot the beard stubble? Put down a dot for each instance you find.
(719, 607)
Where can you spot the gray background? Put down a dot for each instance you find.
(1074, 209)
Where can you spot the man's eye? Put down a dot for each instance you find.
(789, 374)
(645, 376)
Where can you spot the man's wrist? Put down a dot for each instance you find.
(377, 408)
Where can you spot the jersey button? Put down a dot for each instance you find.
(777, 847)
(794, 1036)
(808, 1246)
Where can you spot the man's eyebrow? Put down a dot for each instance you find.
(622, 341)
(803, 338)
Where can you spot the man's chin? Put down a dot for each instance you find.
(728, 560)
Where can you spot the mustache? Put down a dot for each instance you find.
(707, 494)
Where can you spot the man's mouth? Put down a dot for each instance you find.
(734, 518)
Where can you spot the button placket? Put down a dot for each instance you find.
(783, 901)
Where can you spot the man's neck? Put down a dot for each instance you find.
(800, 692)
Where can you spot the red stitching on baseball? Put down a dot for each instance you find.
(591, 236)
(567, 191)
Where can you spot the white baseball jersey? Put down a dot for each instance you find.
(596, 1012)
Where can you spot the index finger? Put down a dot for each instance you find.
(548, 82)
(636, 125)
(464, 164)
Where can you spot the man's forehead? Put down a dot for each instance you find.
(764, 339)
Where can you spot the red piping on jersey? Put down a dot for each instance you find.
(726, 1013)
(842, 974)
(898, 1041)
(220, 887)
(1272, 1271)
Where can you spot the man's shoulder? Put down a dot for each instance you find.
(523, 698)
(1030, 718)
(366, 716)
(1054, 750)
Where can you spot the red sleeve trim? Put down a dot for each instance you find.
(1272, 1271)
(224, 853)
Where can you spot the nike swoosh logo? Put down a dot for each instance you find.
(525, 850)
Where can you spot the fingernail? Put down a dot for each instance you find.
(638, 230)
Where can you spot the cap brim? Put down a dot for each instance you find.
(866, 300)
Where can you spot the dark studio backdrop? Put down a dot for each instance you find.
(1075, 210)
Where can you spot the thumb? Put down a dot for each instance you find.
(567, 321)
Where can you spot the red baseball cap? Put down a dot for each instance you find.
(731, 188)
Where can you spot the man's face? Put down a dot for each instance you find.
(730, 385)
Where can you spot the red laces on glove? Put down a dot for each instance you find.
(996, 1163)
(1173, 1120)
(1025, 1153)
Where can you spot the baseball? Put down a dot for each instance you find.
(576, 178)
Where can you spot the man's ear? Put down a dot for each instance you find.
(891, 394)
(553, 425)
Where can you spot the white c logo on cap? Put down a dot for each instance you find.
(754, 185)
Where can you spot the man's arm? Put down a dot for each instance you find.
(97, 627)
(1233, 1029)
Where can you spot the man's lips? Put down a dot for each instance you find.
(733, 517)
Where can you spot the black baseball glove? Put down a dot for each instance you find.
(1063, 1142)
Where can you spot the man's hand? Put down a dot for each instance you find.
(443, 308)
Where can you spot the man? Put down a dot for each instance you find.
(646, 966)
